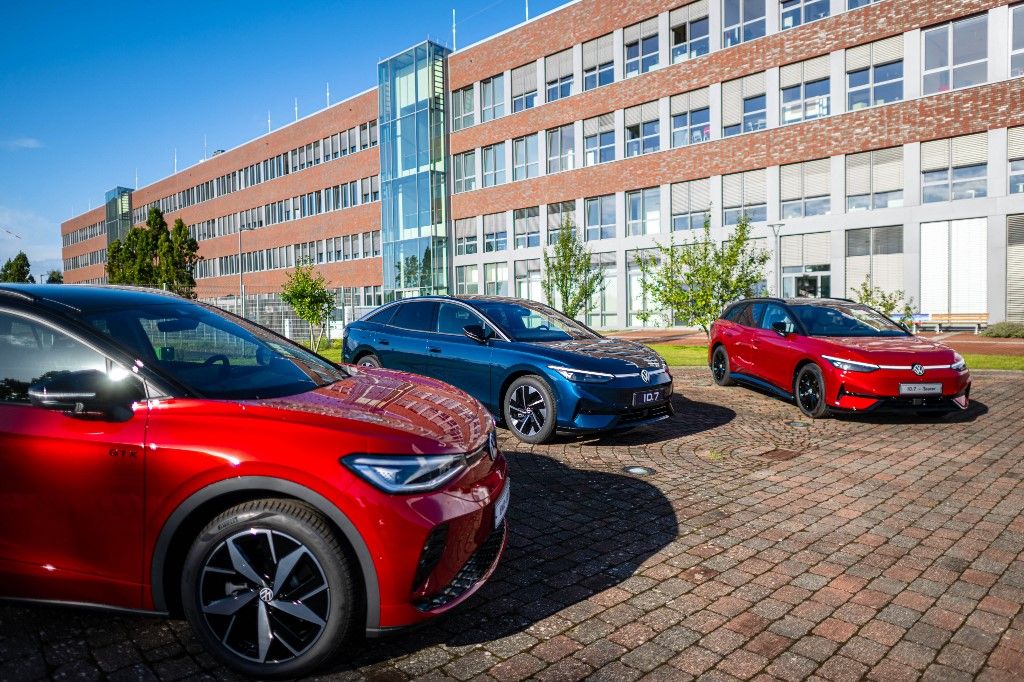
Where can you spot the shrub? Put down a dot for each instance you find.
(1005, 330)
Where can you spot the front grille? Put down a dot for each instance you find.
(470, 574)
(645, 414)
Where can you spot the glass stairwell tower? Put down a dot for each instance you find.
(413, 171)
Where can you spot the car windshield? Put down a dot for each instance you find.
(215, 355)
(533, 323)
(845, 319)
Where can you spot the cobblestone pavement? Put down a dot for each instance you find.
(762, 547)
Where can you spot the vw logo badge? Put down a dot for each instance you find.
(267, 595)
(645, 375)
(918, 370)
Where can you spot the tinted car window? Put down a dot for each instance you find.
(417, 316)
(382, 316)
(451, 318)
(776, 313)
(751, 314)
(30, 351)
(734, 312)
(533, 322)
(845, 319)
(214, 355)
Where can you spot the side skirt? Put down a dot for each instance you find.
(88, 606)
(761, 384)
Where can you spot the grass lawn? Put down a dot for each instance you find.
(697, 356)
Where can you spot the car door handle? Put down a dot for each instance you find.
(433, 349)
(383, 342)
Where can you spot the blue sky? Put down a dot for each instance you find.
(90, 93)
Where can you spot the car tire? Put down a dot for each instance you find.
(809, 392)
(230, 575)
(720, 367)
(369, 360)
(529, 409)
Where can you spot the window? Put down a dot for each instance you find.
(874, 179)
(1016, 146)
(690, 202)
(956, 55)
(1017, 43)
(561, 149)
(955, 168)
(643, 212)
(526, 226)
(495, 233)
(452, 318)
(637, 301)
(642, 129)
(744, 194)
(796, 12)
(600, 214)
(601, 308)
(496, 279)
(691, 118)
(744, 105)
(528, 279)
(805, 90)
(688, 28)
(29, 351)
(558, 75)
(524, 157)
(874, 73)
(492, 98)
(954, 268)
(640, 47)
(874, 255)
(560, 215)
(524, 87)
(806, 265)
(467, 279)
(854, 4)
(465, 171)
(493, 162)
(598, 62)
(415, 316)
(599, 139)
(1015, 268)
(805, 189)
(743, 20)
(462, 108)
(465, 236)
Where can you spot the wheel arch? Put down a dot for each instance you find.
(196, 511)
(517, 373)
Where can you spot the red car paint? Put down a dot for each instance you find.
(90, 506)
(766, 358)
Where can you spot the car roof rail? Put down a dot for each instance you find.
(17, 294)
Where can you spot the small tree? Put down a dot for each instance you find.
(179, 254)
(692, 282)
(55, 277)
(885, 302)
(569, 280)
(307, 294)
(16, 270)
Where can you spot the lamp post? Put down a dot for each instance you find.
(241, 268)
(777, 248)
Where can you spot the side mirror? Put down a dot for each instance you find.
(476, 332)
(87, 393)
(781, 328)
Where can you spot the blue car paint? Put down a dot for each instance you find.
(486, 370)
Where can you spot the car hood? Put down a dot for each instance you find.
(614, 355)
(893, 350)
(419, 414)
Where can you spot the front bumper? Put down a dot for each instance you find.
(586, 408)
(879, 391)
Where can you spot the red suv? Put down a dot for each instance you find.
(160, 454)
(834, 355)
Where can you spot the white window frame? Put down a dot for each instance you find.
(524, 158)
(648, 221)
(492, 98)
(601, 229)
(744, 23)
(560, 157)
(496, 174)
(950, 68)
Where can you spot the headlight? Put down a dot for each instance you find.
(850, 365)
(582, 376)
(405, 473)
(959, 364)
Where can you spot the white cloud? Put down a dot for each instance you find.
(40, 238)
(23, 143)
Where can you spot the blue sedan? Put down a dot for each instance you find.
(535, 369)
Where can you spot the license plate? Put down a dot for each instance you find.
(920, 389)
(501, 506)
(647, 397)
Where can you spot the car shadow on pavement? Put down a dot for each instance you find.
(572, 534)
(974, 410)
(691, 417)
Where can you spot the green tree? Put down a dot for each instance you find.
(307, 294)
(17, 270)
(178, 256)
(155, 256)
(886, 302)
(55, 277)
(569, 280)
(690, 283)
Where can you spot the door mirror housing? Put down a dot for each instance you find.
(477, 332)
(781, 328)
(87, 393)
